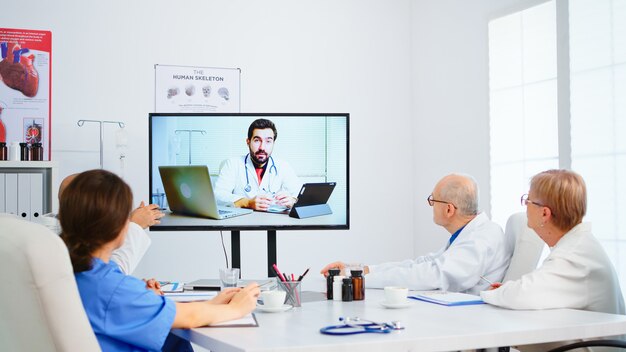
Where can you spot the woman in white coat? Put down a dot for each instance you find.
(577, 274)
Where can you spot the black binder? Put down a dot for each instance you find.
(312, 200)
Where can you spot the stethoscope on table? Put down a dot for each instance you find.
(248, 188)
(356, 325)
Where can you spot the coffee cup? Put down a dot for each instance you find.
(273, 299)
(396, 295)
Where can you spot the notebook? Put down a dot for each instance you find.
(213, 284)
(447, 298)
(189, 192)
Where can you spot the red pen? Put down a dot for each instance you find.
(280, 276)
(293, 278)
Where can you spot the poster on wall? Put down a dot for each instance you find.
(25, 90)
(196, 89)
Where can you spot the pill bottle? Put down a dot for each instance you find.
(14, 151)
(329, 282)
(358, 285)
(4, 152)
(24, 155)
(346, 290)
(337, 287)
(36, 152)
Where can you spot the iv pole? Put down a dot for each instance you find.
(190, 132)
(80, 123)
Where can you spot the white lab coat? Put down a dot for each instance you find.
(231, 183)
(480, 249)
(577, 274)
(127, 256)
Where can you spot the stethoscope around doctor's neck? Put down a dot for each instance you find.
(248, 188)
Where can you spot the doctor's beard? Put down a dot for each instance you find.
(255, 158)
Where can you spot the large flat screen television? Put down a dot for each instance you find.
(307, 158)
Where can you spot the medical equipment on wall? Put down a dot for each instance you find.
(248, 188)
(80, 123)
(356, 325)
(203, 132)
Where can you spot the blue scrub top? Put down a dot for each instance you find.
(124, 314)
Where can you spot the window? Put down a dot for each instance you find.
(587, 132)
(523, 103)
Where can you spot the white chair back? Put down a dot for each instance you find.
(528, 247)
(40, 309)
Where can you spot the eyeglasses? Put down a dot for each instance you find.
(524, 201)
(432, 201)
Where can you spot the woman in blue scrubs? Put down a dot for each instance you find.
(125, 314)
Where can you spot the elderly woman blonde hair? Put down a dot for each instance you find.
(578, 273)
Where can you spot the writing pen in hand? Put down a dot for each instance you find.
(491, 283)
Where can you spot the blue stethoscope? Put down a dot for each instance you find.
(356, 325)
(248, 188)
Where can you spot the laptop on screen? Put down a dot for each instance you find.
(189, 192)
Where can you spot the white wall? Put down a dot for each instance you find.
(316, 56)
(450, 100)
(412, 74)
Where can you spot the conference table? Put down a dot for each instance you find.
(428, 327)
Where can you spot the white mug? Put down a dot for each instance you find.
(273, 299)
(396, 295)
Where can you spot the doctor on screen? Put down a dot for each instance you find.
(258, 180)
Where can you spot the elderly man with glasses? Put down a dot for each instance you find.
(477, 246)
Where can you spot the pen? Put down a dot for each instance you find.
(265, 283)
(302, 276)
(488, 281)
(282, 278)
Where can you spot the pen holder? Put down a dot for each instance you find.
(293, 290)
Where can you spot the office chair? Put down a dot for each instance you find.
(592, 343)
(528, 247)
(40, 309)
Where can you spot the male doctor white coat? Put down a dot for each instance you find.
(232, 182)
(479, 249)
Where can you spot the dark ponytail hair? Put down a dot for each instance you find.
(93, 211)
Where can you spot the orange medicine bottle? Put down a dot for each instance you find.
(358, 285)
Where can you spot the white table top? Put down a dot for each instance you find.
(429, 327)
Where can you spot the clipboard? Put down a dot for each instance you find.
(249, 321)
(449, 299)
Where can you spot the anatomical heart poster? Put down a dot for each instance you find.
(25, 76)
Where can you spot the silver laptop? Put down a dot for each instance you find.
(189, 192)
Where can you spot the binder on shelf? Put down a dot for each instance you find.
(23, 196)
(2, 193)
(10, 193)
(447, 298)
(36, 196)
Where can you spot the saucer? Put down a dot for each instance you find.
(276, 208)
(404, 304)
(283, 308)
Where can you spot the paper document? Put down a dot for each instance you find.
(172, 287)
(247, 321)
(190, 296)
(447, 298)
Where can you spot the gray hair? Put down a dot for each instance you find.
(462, 192)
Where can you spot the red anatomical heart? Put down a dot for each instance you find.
(17, 70)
